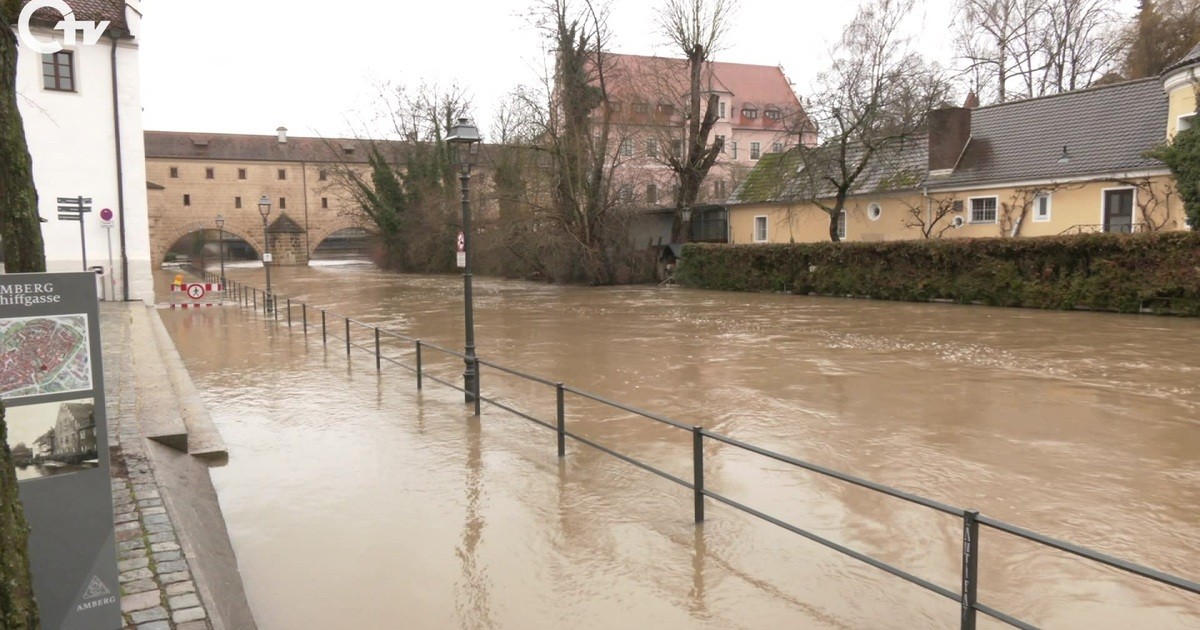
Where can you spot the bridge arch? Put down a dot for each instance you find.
(174, 236)
(325, 232)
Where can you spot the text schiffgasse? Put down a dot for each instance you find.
(28, 294)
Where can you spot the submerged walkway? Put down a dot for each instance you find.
(177, 568)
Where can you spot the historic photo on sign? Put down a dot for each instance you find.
(53, 438)
(44, 355)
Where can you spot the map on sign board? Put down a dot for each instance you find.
(44, 355)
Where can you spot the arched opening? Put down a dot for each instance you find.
(347, 244)
(204, 248)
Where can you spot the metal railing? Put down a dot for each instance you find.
(965, 593)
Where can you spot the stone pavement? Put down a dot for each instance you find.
(160, 585)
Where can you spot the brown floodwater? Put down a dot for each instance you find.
(355, 500)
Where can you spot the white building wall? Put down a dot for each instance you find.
(71, 139)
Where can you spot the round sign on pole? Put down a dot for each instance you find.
(462, 242)
(195, 291)
(106, 214)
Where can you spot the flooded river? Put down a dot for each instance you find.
(354, 500)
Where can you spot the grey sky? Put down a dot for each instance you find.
(248, 66)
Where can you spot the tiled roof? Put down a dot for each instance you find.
(238, 147)
(637, 76)
(85, 11)
(1192, 57)
(778, 176)
(1104, 129)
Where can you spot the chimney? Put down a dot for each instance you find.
(282, 135)
(949, 132)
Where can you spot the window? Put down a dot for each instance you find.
(721, 141)
(666, 109)
(1041, 207)
(641, 108)
(749, 112)
(651, 194)
(755, 150)
(874, 211)
(983, 210)
(322, 175)
(652, 148)
(614, 106)
(719, 189)
(241, 173)
(777, 147)
(760, 229)
(627, 148)
(174, 172)
(324, 202)
(735, 150)
(722, 109)
(841, 225)
(1186, 122)
(283, 173)
(237, 202)
(625, 193)
(210, 173)
(773, 114)
(58, 71)
(282, 203)
(187, 200)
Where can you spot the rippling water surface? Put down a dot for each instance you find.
(355, 500)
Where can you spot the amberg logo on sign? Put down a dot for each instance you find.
(69, 26)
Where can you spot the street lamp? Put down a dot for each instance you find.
(221, 246)
(264, 208)
(464, 137)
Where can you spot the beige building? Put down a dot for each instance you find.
(194, 177)
(1061, 164)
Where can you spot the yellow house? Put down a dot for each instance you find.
(1061, 164)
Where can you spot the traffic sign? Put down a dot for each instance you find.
(462, 242)
(195, 291)
(106, 219)
(267, 258)
(462, 260)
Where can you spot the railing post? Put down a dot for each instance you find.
(324, 334)
(562, 421)
(698, 471)
(254, 294)
(476, 388)
(378, 357)
(970, 568)
(419, 379)
(274, 300)
(304, 317)
(347, 337)
(289, 308)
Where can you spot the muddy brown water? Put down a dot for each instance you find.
(354, 500)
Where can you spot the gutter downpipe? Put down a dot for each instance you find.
(120, 170)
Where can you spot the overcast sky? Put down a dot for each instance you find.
(249, 66)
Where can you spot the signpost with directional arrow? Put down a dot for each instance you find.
(73, 209)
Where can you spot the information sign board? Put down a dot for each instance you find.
(52, 384)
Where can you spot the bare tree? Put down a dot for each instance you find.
(1161, 34)
(20, 225)
(870, 106)
(406, 190)
(696, 28)
(1024, 48)
(933, 216)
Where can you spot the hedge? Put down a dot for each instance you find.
(1109, 272)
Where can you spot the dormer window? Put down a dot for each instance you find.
(1186, 122)
(641, 108)
(773, 114)
(749, 112)
(666, 109)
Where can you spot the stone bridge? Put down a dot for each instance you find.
(194, 177)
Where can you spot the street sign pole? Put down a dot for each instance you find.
(73, 209)
(106, 217)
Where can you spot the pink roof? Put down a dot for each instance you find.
(763, 87)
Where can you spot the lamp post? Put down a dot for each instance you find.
(221, 245)
(464, 137)
(264, 208)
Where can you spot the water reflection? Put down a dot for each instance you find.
(1078, 425)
